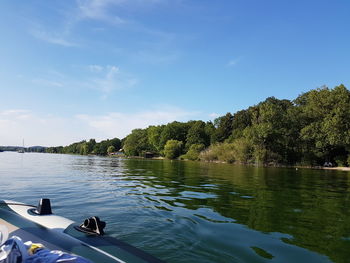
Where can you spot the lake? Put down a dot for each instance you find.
(193, 211)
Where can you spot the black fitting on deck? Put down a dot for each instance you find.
(92, 225)
(44, 207)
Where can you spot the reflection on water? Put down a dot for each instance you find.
(194, 212)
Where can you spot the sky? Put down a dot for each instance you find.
(71, 70)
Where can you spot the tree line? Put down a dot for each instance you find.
(88, 147)
(310, 130)
(39, 149)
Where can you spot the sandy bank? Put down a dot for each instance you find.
(337, 168)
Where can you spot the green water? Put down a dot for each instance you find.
(191, 211)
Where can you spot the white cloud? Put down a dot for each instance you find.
(101, 9)
(154, 57)
(95, 68)
(45, 82)
(108, 78)
(98, 10)
(120, 124)
(51, 130)
(107, 11)
(57, 39)
(16, 125)
(214, 115)
(110, 12)
(105, 79)
(233, 62)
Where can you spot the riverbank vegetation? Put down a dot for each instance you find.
(88, 147)
(310, 130)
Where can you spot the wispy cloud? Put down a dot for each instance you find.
(104, 79)
(51, 130)
(98, 10)
(154, 57)
(233, 62)
(120, 124)
(16, 124)
(214, 115)
(157, 46)
(16, 113)
(95, 68)
(46, 82)
(109, 78)
(108, 11)
(57, 39)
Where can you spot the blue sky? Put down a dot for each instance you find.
(73, 70)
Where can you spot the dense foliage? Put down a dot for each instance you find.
(310, 130)
(25, 149)
(88, 147)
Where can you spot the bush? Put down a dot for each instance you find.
(111, 149)
(219, 152)
(227, 153)
(172, 149)
(243, 150)
(341, 160)
(208, 155)
(193, 152)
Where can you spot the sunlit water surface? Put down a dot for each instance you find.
(192, 211)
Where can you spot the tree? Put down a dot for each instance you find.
(241, 120)
(111, 149)
(116, 143)
(174, 131)
(325, 115)
(223, 127)
(90, 145)
(197, 135)
(194, 151)
(84, 149)
(242, 150)
(153, 135)
(312, 129)
(173, 149)
(136, 143)
(209, 130)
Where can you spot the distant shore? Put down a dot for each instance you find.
(346, 169)
(337, 168)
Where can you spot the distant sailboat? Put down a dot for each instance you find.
(21, 150)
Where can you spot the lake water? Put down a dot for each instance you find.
(192, 211)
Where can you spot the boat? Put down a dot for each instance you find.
(21, 150)
(40, 225)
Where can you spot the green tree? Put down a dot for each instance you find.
(210, 131)
(101, 147)
(116, 143)
(173, 149)
(153, 135)
(242, 150)
(193, 152)
(241, 120)
(223, 127)
(90, 145)
(111, 149)
(174, 131)
(136, 143)
(270, 131)
(325, 115)
(197, 135)
(84, 149)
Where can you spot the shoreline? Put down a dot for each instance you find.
(346, 169)
(340, 168)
